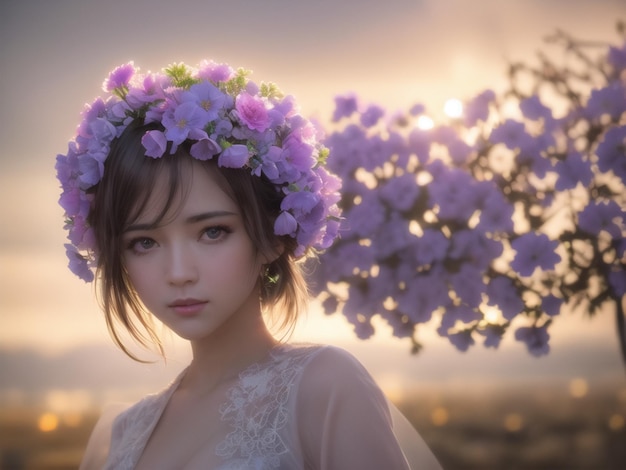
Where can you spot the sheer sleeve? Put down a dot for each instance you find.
(97, 448)
(344, 420)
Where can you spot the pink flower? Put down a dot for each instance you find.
(252, 112)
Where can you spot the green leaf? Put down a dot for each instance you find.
(180, 75)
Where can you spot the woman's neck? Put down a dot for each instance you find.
(241, 341)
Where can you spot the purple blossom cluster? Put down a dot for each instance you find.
(433, 230)
(225, 116)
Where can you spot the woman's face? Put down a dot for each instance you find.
(197, 268)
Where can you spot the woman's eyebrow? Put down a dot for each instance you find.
(190, 220)
(208, 215)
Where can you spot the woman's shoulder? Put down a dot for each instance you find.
(332, 360)
(327, 370)
(146, 407)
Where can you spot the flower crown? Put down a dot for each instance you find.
(223, 115)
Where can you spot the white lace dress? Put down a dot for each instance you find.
(304, 407)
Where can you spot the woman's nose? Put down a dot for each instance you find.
(182, 268)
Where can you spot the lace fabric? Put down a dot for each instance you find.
(304, 406)
(257, 411)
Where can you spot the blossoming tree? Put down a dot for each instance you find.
(496, 220)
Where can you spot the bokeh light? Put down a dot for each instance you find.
(48, 422)
(439, 416)
(425, 123)
(453, 108)
(578, 387)
(513, 422)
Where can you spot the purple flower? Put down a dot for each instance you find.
(330, 305)
(151, 91)
(417, 109)
(612, 152)
(235, 156)
(400, 326)
(452, 194)
(496, 214)
(252, 112)
(468, 285)
(345, 106)
(208, 97)
(536, 339)
(78, 231)
(551, 305)
(503, 294)
(365, 218)
(617, 280)
(475, 247)
(512, 134)
(215, 72)
(285, 224)
(424, 293)
(534, 250)
(119, 77)
(462, 340)
(78, 264)
(297, 154)
(617, 58)
(205, 149)
(534, 109)
(571, 171)
(155, 143)
(430, 247)
(400, 192)
(397, 237)
(493, 335)
(459, 313)
(419, 144)
(601, 216)
(533, 155)
(70, 200)
(610, 100)
(183, 121)
(91, 169)
(357, 311)
(371, 115)
(299, 202)
(341, 261)
(478, 108)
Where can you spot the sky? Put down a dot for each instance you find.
(55, 55)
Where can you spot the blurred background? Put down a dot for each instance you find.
(479, 409)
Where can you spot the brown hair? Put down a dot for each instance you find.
(121, 196)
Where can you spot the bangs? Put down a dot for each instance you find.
(176, 169)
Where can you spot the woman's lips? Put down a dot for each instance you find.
(187, 307)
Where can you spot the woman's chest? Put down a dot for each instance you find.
(185, 436)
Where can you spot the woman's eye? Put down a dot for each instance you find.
(141, 245)
(215, 233)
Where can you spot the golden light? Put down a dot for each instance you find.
(491, 314)
(513, 422)
(425, 123)
(578, 387)
(48, 422)
(453, 108)
(439, 416)
(616, 422)
(72, 420)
